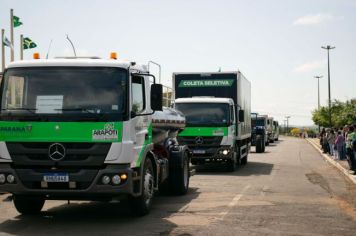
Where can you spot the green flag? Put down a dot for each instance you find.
(17, 21)
(28, 43)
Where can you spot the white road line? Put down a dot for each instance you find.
(234, 202)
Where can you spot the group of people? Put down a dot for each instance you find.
(340, 144)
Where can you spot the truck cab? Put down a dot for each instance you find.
(210, 127)
(217, 106)
(270, 130)
(85, 128)
(276, 130)
(259, 137)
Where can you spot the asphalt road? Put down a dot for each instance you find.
(289, 190)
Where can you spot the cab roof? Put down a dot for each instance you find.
(204, 100)
(77, 62)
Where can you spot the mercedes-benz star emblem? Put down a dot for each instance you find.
(56, 151)
(199, 140)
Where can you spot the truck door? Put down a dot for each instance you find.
(139, 123)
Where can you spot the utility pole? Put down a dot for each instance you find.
(318, 77)
(2, 50)
(12, 34)
(21, 46)
(328, 48)
(287, 117)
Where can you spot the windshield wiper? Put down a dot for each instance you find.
(21, 109)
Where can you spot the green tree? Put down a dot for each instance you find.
(342, 113)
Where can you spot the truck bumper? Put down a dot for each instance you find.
(212, 154)
(84, 184)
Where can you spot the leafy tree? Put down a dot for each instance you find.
(342, 113)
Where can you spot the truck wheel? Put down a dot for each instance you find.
(141, 205)
(267, 143)
(272, 141)
(179, 177)
(259, 144)
(27, 205)
(263, 146)
(244, 160)
(232, 163)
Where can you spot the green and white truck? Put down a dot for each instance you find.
(87, 129)
(217, 107)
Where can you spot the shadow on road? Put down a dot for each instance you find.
(98, 218)
(252, 168)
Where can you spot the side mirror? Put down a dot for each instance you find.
(241, 115)
(156, 97)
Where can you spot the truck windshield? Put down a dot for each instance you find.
(68, 93)
(205, 114)
(258, 122)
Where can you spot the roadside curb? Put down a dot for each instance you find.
(334, 163)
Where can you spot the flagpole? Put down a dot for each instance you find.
(21, 47)
(2, 50)
(12, 33)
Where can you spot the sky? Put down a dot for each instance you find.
(276, 44)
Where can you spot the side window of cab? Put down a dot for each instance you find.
(138, 94)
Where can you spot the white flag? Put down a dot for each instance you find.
(6, 42)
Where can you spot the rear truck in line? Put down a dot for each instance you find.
(276, 130)
(259, 132)
(217, 108)
(270, 130)
(87, 129)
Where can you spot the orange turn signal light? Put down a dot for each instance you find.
(36, 55)
(113, 55)
(123, 176)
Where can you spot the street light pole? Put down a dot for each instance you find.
(318, 77)
(287, 117)
(328, 48)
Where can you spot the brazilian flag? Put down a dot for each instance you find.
(17, 21)
(28, 43)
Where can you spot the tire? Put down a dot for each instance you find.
(259, 145)
(28, 205)
(267, 143)
(232, 163)
(179, 177)
(272, 141)
(244, 160)
(141, 205)
(263, 146)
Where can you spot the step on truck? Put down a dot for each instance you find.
(87, 129)
(259, 136)
(217, 108)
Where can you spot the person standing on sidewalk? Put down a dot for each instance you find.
(340, 143)
(351, 137)
(331, 141)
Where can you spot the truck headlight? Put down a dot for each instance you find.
(10, 179)
(225, 152)
(105, 179)
(116, 179)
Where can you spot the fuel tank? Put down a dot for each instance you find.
(166, 124)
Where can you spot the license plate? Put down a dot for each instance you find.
(56, 177)
(199, 151)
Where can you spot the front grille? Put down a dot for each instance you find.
(208, 141)
(77, 154)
